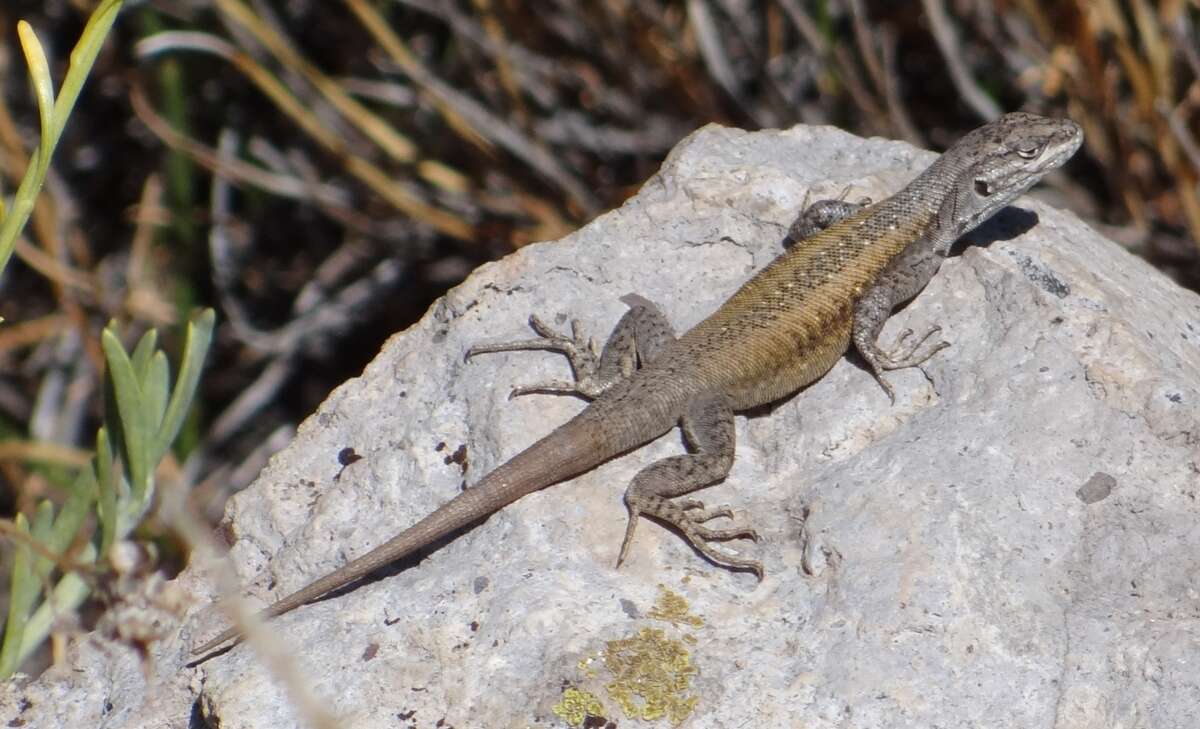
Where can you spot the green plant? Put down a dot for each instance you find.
(143, 416)
(53, 112)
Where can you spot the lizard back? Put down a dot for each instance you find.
(792, 321)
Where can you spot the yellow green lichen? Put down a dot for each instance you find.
(652, 674)
(576, 706)
(672, 608)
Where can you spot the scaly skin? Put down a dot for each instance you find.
(848, 267)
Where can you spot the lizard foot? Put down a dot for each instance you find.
(688, 518)
(581, 352)
(900, 357)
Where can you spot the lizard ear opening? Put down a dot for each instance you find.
(983, 188)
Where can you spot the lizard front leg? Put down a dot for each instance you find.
(907, 275)
(637, 339)
(902, 280)
(709, 428)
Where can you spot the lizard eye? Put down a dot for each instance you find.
(982, 188)
(1030, 151)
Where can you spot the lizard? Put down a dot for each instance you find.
(845, 267)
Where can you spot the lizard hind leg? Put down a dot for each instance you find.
(637, 338)
(709, 428)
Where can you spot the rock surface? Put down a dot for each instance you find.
(1012, 544)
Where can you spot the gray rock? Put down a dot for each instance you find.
(1012, 544)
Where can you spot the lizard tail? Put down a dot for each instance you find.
(568, 451)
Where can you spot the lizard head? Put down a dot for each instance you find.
(996, 163)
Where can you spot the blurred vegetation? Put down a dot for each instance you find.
(320, 171)
(62, 547)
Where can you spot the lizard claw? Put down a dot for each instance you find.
(900, 357)
(683, 516)
(629, 528)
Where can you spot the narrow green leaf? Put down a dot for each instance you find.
(106, 490)
(74, 510)
(142, 354)
(154, 394)
(54, 117)
(43, 522)
(43, 519)
(130, 414)
(175, 97)
(23, 591)
(112, 419)
(43, 90)
(82, 57)
(67, 596)
(196, 343)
